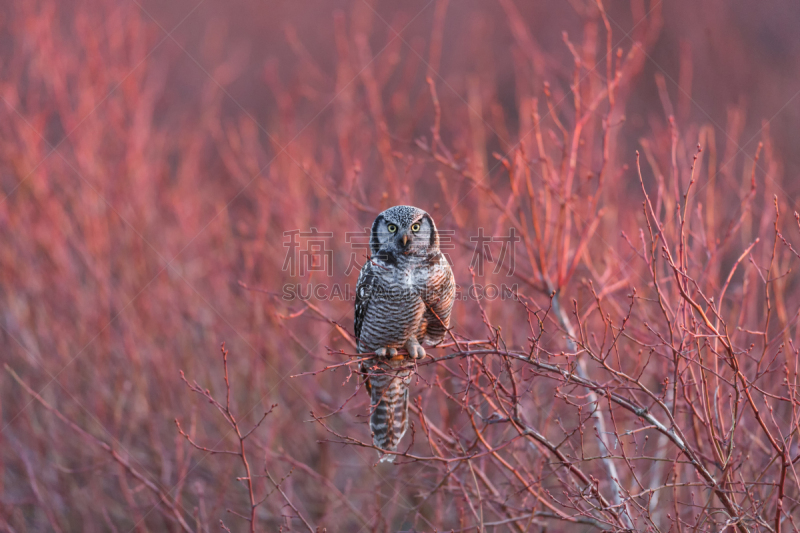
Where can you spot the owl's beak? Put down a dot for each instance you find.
(404, 240)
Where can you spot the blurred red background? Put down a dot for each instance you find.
(154, 154)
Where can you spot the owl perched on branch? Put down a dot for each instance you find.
(404, 296)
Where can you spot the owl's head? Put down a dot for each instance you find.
(404, 230)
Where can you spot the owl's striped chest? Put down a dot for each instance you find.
(396, 308)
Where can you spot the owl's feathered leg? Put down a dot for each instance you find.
(415, 350)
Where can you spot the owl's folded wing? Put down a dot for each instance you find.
(439, 298)
(364, 288)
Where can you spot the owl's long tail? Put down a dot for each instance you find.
(389, 405)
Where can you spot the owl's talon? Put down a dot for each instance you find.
(415, 350)
(386, 352)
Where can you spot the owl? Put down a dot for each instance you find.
(404, 296)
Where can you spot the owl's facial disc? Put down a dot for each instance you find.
(403, 231)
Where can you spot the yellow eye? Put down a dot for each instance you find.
(392, 228)
(415, 227)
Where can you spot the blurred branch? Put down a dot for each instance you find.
(170, 505)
